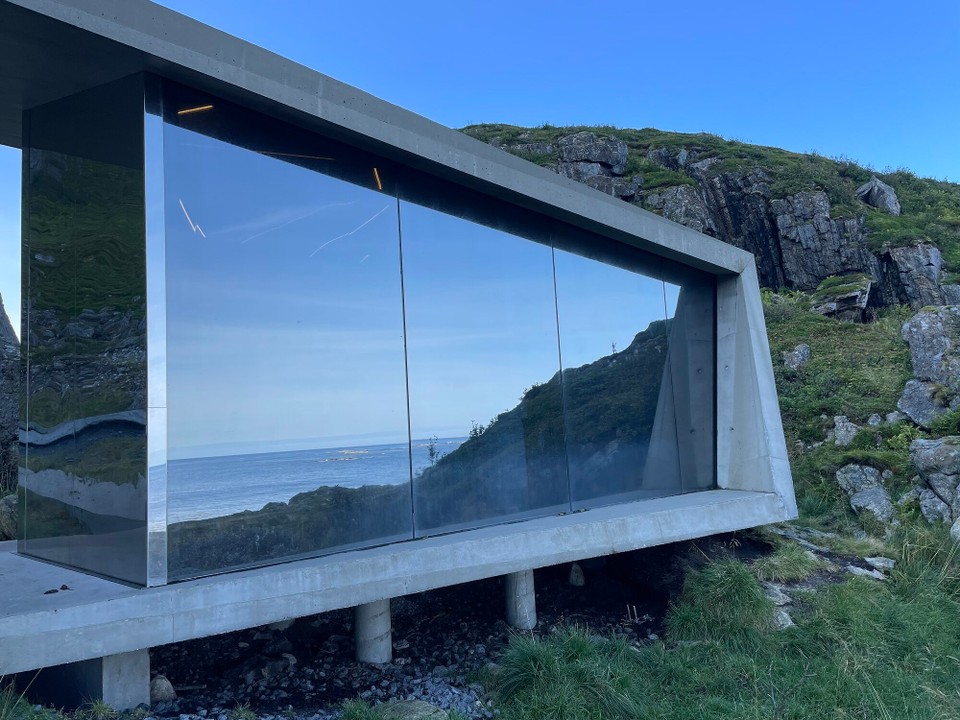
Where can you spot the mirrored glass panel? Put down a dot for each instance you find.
(636, 338)
(83, 478)
(485, 408)
(287, 424)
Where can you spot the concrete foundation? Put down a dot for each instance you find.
(121, 681)
(521, 600)
(373, 632)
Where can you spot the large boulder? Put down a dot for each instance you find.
(938, 465)
(683, 204)
(878, 194)
(911, 276)
(934, 339)
(586, 147)
(864, 485)
(924, 401)
(844, 298)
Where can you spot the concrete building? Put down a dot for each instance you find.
(288, 348)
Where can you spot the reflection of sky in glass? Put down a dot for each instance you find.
(284, 315)
(284, 326)
(602, 308)
(481, 320)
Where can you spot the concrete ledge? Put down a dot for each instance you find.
(97, 618)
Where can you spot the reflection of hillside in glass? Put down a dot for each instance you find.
(83, 482)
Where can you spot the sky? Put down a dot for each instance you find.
(875, 82)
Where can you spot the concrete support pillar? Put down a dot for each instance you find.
(521, 600)
(373, 633)
(121, 681)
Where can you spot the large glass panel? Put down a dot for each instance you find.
(84, 454)
(286, 402)
(485, 408)
(637, 377)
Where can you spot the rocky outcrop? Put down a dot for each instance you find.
(798, 357)
(8, 517)
(585, 154)
(934, 339)
(844, 298)
(683, 204)
(623, 189)
(864, 486)
(911, 276)
(938, 465)
(9, 403)
(813, 245)
(878, 194)
(844, 431)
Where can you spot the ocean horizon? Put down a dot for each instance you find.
(210, 487)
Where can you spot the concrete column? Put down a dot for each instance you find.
(373, 633)
(521, 600)
(121, 681)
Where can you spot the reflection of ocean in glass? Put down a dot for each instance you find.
(217, 486)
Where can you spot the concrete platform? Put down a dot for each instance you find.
(97, 618)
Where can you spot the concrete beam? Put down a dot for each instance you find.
(521, 600)
(373, 632)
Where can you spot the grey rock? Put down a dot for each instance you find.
(912, 275)
(782, 619)
(161, 690)
(844, 431)
(282, 625)
(883, 564)
(955, 531)
(7, 335)
(951, 294)
(797, 357)
(587, 147)
(938, 466)
(854, 478)
(672, 159)
(411, 710)
(875, 420)
(863, 572)
(8, 518)
(911, 495)
(845, 302)
(919, 401)
(875, 501)
(894, 417)
(933, 509)
(615, 186)
(814, 246)
(535, 148)
(934, 339)
(775, 594)
(878, 194)
(579, 171)
(683, 204)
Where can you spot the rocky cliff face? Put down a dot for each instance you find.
(9, 396)
(805, 218)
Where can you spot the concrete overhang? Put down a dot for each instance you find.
(53, 48)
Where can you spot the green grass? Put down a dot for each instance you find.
(860, 649)
(786, 563)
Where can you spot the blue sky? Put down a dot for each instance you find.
(874, 81)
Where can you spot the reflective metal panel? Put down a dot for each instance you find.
(483, 372)
(286, 402)
(84, 440)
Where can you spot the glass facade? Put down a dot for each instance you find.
(340, 351)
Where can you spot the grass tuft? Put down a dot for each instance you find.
(786, 563)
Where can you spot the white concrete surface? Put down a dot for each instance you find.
(521, 600)
(373, 632)
(96, 617)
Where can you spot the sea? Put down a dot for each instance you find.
(203, 488)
